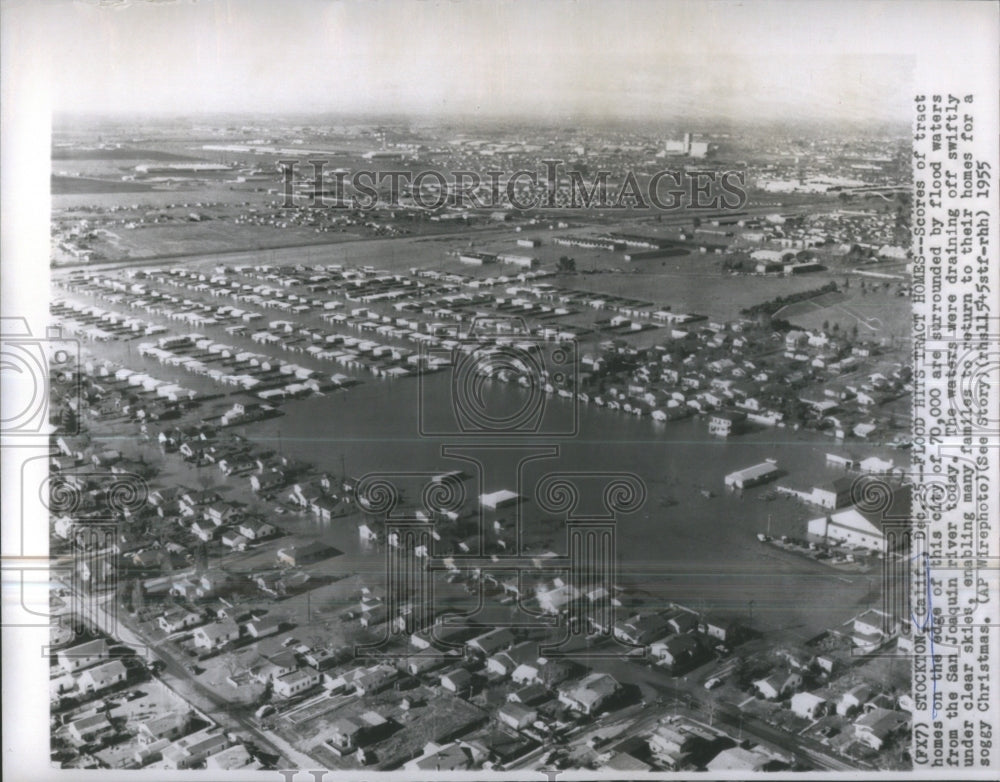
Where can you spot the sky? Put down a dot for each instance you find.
(631, 59)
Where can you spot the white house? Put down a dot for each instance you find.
(83, 655)
(590, 693)
(296, 682)
(808, 705)
(102, 677)
(217, 634)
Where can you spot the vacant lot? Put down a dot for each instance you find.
(877, 314)
(695, 284)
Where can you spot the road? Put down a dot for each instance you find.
(807, 751)
(176, 676)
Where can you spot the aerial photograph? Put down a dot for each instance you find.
(479, 387)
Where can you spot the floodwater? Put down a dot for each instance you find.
(680, 545)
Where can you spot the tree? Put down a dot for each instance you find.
(567, 264)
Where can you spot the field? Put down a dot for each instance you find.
(877, 314)
(695, 284)
(71, 185)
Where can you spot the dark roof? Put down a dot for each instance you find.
(895, 510)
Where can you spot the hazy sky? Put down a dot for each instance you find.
(761, 60)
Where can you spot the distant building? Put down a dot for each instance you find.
(306, 554)
(752, 476)
(855, 526)
(723, 423)
(833, 495)
(499, 499)
(477, 259)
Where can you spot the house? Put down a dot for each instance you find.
(457, 681)
(89, 728)
(724, 423)
(676, 652)
(532, 695)
(169, 726)
(683, 622)
(255, 529)
(204, 530)
(323, 657)
(491, 642)
(234, 758)
(178, 619)
(505, 663)
(103, 676)
(220, 513)
(740, 759)
(778, 685)
(641, 630)
(516, 715)
(264, 626)
(866, 527)
(808, 705)
(375, 679)
(449, 757)
(306, 554)
(344, 736)
(727, 631)
(190, 750)
(525, 673)
(589, 694)
(622, 761)
(871, 623)
(234, 540)
(83, 655)
(554, 671)
(558, 599)
(277, 665)
(296, 682)
(672, 745)
(854, 699)
(216, 635)
(878, 726)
